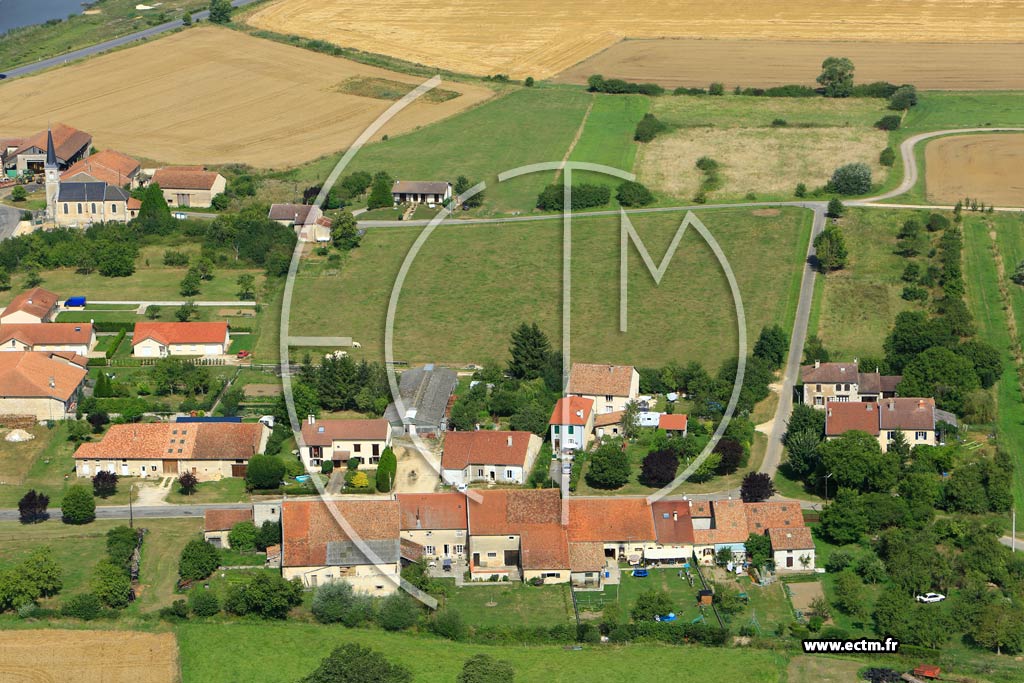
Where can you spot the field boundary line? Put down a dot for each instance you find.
(576, 138)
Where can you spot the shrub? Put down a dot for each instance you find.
(337, 603)
(835, 208)
(903, 98)
(85, 606)
(528, 82)
(887, 157)
(264, 472)
(648, 128)
(110, 583)
(584, 196)
(888, 122)
(716, 89)
(707, 164)
(632, 193)
(449, 624)
(265, 595)
(32, 507)
(203, 603)
(851, 179)
(779, 123)
(18, 194)
(326, 467)
(689, 91)
(268, 534)
(387, 468)
(78, 505)
(121, 544)
(242, 537)
(198, 560)
(104, 484)
(800, 191)
(397, 612)
(937, 222)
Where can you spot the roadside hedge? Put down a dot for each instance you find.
(112, 326)
(112, 349)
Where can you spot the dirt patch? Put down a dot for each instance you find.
(767, 63)
(807, 669)
(88, 656)
(765, 212)
(386, 89)
(803, 594)
(768, 160)
(262, 390)
(982, 167)
(213, 95)
(531, 38)
(236, 312)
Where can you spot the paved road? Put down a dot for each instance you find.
(96, 49)
(9, 219)
(140, 512)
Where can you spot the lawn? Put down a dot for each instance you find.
(859, 303)
(517, 604)
(227, 490)
(528, 126)
(77, 549)
(738, 112)
(509, 273)
(986, 304)
(39, 464)
(240, 653)
(607, 136)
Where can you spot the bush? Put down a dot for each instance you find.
(110, 583)
(888, 122)
(265, 595)
(632, 193)
(584, 196)
(104, 484)
(648, 128)
(121, 544)
(887, 157)
(689, 91)
(203, 603)
(264, 472)
(937, 222)
(267, 535)
(903, 98)
(397, 612)
(198, 560)
(78, 505)
(800, 191)
(449, 624)
(85, 606)
(387, 468)
(337, 603)
(851, 179)
(242, 537)
(717, 89)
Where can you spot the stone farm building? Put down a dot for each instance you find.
(340, 441)
(109, 166)
(159, 340)
(917, 418)
(425, 394)
(609, 386)
(844, 382)
(44, 386)
(36, 305)
(420, 191)
(209, 450)
(185, 186)
(29, 154)
(491, 456)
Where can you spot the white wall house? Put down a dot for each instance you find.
(610, 387)
(159, 340)
(339, 441)
(491, 456)
(572, 425)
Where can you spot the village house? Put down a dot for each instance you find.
(209, 450)
(159, 340)
(78, 338)
(610, 387)
(572, 425)
(917, 418)
(792, 549)
(727, 524)
(36, 305)
(68, 145)
(339, 441)
(317, 549)
(218, 523)
(491, 456)
(109, 166)
(608, 424)
(586, 565)
(716, 526)
(189, 186)
(44, 386)
(426, 394)
(505, 523)
(843, 383)
(622, 525)
(308, 220)
(673, 530)
(436, 524)
(422, 192)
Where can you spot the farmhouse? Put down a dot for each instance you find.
(340, 441)
(425, 393)
(159, 340)
(792, 549)
(36, 305)
(78, 338)
(436, 524)
(610, 387)
(622, 525)
(507, 524)
(42, 385)
(492, 456)
(317, 549)
(843, 382)
(586, 563)
(185, 186)
(418, 191)
(673, 529)
(726, 524)
(209, 450)
(308, 220)
(68, 146)
(109, 166)
(917, 418)
(217, 524)
(572, 425)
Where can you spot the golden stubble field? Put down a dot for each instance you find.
(986, 167)
(47, 656)
(540, 39)
(213, 95)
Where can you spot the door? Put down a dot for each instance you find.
(124, 469)
(85, 468)
(446, 550)
(476, 559)
(170, 466)
(511, 558)
(238, 470)
(492, 475)
(789, 561)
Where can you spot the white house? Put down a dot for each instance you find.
(158, 340)
(502, 457)
(610, 387)
(77, 338)
(426, 192)
(792, 549)
(572, 424)
(339, 441)
(36, 305)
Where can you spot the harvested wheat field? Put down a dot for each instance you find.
(541, 39)
(88, 657)
(766, 63)
(213, 95)
(983, 167)
(764, 161)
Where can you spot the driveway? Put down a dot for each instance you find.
(416, 473)
(9, 219)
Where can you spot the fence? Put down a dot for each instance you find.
(707, 587)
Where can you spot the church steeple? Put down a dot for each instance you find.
(51, 154)
(52, 172)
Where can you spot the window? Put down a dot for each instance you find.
(459, 548)
(843, 399)
(492, 554)
(890, 435)
(92, 208)
(572, 430)
(607, 398)
(480, 472)
(817, 387)
(920, 436)
(508, 474)
(376, 449)
(79, 208)
(357, 448)
(153, 468)
(65, 207)
(556, 429)
(428, 549)
(819, 400)
(113, 208)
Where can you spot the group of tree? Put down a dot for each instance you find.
(32, 507)
(340, 383)
(582, 196)
(180, 376)
(35, 576)
(462, 187)
(617, 86)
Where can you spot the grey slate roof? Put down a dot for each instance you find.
(91, 192)
(419, 187)
(348, 554)
(426, 391)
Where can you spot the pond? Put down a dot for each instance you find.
(17, 13)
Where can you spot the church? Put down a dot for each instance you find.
(80, 203)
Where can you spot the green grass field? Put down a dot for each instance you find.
(608, 136)
(731, 111)
(518, 604)
(858, 304)
(228, 490)
(39, 464)
(471, 285)
(232, 653)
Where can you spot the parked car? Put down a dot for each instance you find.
(931, 597)
(244, 354)
(180, 215)
(566, 468)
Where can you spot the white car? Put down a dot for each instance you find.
(180, 215)
(931, 597)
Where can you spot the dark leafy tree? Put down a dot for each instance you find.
(985, 359)
(264, 595)
(78, 506)
(903, 98)
(851, 179)
(608, 467)
(530, 352)
(32, 507)
(398, 612)
(772, 345)
(756, 487)
(830, 249)
(912, 333)
(353, 663)
(246, 283)
(530, 417)
(836, 77)
(264, 472)
(154, 215)
(111, 584)
(380, 191)
(386, 470)
(187, 483)
(344, 231)
(632, 193)
(242, 537)
(220, 11)
(648, 128)
(843, 520)
(198, 560)
(267, 535)
(814, 350)
(759, 549)
(802, 452)
(650, 604)
(855, 460)
(104, 484)
(731, 455)
(98, 419)
(659, 468)
(203, 603)
(941, 373)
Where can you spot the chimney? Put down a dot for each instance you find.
(817, 364)
(830, 411)
(509, 441)
(842, 369)
(311, 419)
(867, 407)
(920, 404)
(675, 516)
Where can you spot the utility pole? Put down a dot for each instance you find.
(1013, 531)
(131, 517)
(826, 487)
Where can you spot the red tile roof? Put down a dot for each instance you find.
(67, 141)
(184, 178)
(672, 522)
(432, 511)
(609, 419)
(224, 520)
(44, 334)
(462, 449)
(308, 526)
(134, 203)
(176, 441)
(325, 432)
(600, 380)
(108, 166)
(606, 520)
(771, 515)
(505, 511)
(543, 546)
(37, 302)
(907, 413)
(28, 374)
(729, 524)
(798, 538)
(674, 422)
(180, 333)
(572, 410)
(586, 557)
(830, 373)
(844, 417)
